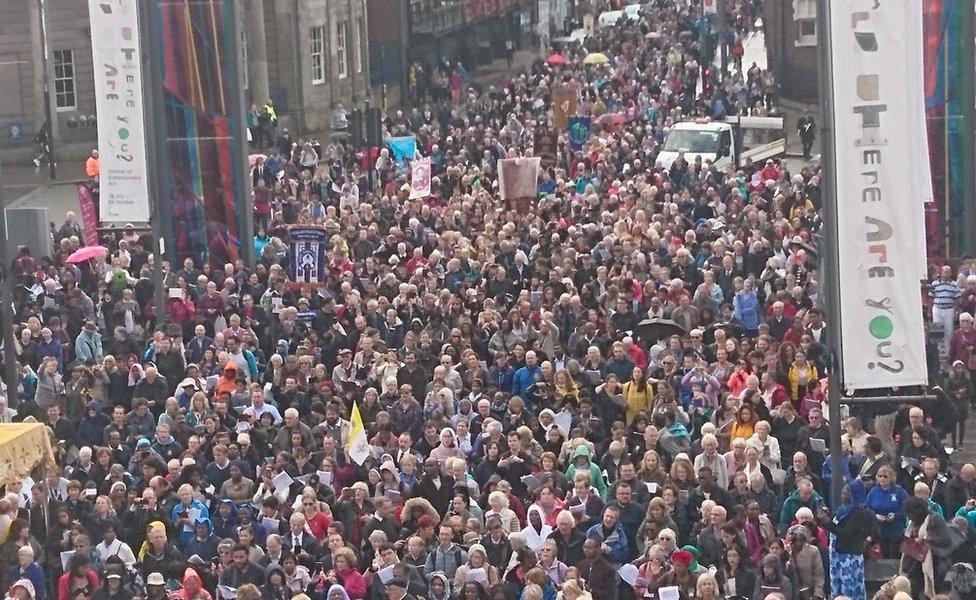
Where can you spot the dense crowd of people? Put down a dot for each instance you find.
(530, 437)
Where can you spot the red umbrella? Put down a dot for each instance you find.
(556, 60)
(86, 253)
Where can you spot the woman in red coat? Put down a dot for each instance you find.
(79, 581)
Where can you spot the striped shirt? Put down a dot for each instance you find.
(944, 293)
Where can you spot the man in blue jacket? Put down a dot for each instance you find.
(526, 376)
(611, 535)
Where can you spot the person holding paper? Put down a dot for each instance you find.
(477, 569)
(186, 512)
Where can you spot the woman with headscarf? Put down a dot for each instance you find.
(477, 563)
(448, 447)
(851, 527)
(439, 586)
(536, 530)
(22, 589)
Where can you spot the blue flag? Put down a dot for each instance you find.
(403, 148)
(579, 132)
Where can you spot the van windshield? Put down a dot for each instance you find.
(697, 141)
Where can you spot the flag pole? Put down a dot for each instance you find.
(830, 277)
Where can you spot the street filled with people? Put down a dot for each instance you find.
(612, 390)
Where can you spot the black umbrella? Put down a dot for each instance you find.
(652, 330)
(732, 330)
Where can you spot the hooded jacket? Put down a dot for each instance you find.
(228, 379)
(190, 575)
(596, 478)
(91, 430)
(205, 548)
(778, 581)
(272, 592)
(430, 590)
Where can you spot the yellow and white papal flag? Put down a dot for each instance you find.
(358, 446)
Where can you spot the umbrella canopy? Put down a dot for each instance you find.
(732, 330)
(86, 253)
(596, 58)
(652, 330)
(556, 60)
(253, 158)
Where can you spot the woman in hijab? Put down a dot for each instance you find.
(850, 528)
(439, 587)
(536, 530)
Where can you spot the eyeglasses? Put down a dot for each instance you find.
(308, 503)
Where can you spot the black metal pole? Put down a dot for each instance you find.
(831, 277)
(11, 375)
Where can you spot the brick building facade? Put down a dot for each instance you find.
(791, 44)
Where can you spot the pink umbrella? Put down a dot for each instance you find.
(253, 159)
(86, 253)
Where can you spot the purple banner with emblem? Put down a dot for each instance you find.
(307, 255)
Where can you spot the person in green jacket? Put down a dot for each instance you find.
(581, 462)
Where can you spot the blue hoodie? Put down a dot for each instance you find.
(206, 547)
(185, 536)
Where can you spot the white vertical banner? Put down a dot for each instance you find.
(710, 7)
(880, 174)
(117, 60)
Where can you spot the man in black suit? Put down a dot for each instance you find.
(42, 511)
(261, 172)
(300, 542)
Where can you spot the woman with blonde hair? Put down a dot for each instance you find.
(571, 590)
(706, 587)
(565, 386)
(651, 470)
(498, 505)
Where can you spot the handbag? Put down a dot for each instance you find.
(914, 548)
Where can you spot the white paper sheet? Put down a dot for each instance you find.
(282, 481)
(628, 573)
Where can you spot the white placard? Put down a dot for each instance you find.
(117, 63)
(882, 179)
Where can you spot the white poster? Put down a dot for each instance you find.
(420, 178)
(710, 7)
(882, 180)
(118, 97)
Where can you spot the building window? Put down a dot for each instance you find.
(316, 37)
(360, 36)
(342, 50)
(806, 32)
(64, 80)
